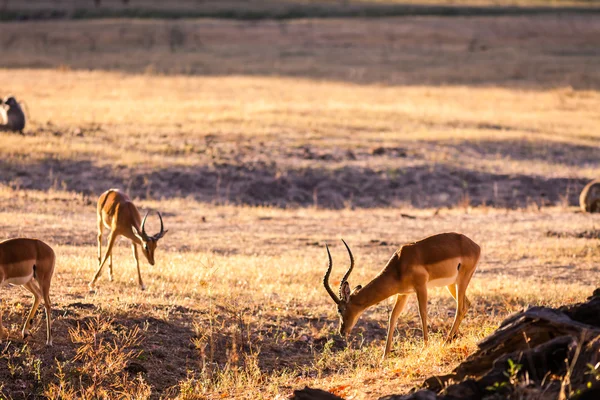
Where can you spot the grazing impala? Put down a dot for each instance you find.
(119, 214)
(447, 259)
(30, 263)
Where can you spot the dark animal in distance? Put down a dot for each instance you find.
(589, 200)
(12, 117)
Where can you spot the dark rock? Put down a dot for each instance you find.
(135, 368)
(313, 394)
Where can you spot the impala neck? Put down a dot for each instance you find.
(380, 288)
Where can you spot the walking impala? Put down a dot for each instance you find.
(117, 213)
(30, 263)
(447, 259)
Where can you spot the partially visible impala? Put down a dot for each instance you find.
(116, 212)
(30, 263)
(447, 259)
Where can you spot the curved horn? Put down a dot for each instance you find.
(345, 278)
(326, 278)
(162, 228)
(144, 223)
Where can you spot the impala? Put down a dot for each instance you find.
(116, 212)
(447, 259)
(30, 263)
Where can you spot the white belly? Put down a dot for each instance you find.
(19, 273)
(442, 281)
(19, 280)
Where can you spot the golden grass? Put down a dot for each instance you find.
(247, 282)
(235, 307)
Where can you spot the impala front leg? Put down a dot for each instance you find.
(110, 269)
(137, 264)
(111, 241)
(398, 307)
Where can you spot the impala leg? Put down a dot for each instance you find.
(48, 307)
(422, 299)
(462, 304)
(110, 268)
(398, 307)
(452, 290)
(137, 264)
(100, 231)
(35, 290)
(111, 242)
(3, 332)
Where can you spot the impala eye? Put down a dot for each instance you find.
(146, 247)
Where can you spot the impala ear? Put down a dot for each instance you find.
(345, 292)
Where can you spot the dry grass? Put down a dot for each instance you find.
(236, 304)
(235, 307)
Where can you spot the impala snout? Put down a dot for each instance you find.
(344, 330)
(149, 248)
(348, 320)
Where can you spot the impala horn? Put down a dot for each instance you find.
(345, 278)
(326, 278)
(159, 234)
(162, 228)
(144, 235)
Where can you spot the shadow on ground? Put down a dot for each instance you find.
(329, 184)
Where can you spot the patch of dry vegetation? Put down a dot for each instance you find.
(235, 305)
(322, 148)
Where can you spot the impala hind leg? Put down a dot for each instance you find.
(137, 265)
(458, 291)
(100, 232)
(422, 299)
(111, 241)
(37, 295)
(467, 305)
(398, 307)
(452, 290)
(3, 332)
(48, 307)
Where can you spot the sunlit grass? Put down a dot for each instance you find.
(255, 313)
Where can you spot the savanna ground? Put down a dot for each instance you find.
(260, 142)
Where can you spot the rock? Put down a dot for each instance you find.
(135, 368)
(313, 394)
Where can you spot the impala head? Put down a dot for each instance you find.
(149, 242)
(347, 311)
